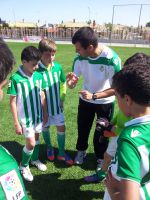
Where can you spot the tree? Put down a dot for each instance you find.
(148, 24)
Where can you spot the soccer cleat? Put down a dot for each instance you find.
(95, 178)
(25, 171)
(65, 158)
(50, 154)
(92, 178)
(39, 165)
(80, 157)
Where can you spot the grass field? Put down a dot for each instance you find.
(59, 182)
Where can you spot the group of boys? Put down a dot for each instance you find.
(36, 103)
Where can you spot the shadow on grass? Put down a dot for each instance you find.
(54, 188)
(16, 150)
(50, 185)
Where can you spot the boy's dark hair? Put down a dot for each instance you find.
(47, 45)
(136, 58)
(134, 79)
(30, 53)
(85, 36)
(7, 60)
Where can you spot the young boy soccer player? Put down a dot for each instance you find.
(129, 175)
(26, 89)
(54, 76)
(112, 130)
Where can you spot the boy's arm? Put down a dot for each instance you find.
(44, 107)
(13, 107)
(124, 189)
(129, 190)
(63, 90)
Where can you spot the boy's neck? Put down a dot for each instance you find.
(139, 111)
(47, 66)
(26, 72)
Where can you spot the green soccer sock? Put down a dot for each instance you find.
(47, 139)
(61, 143)
(26, 156)
(35, 154)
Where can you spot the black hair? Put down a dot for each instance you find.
(85, 36)
(134, 79)
(30, 53)
(7, 60)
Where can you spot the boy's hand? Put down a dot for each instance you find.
(18, 129)
(112, 184)
(45, 118)
(72, 80)
(86, 94)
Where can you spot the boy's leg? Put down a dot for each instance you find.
(35, 156)
(61, 143)
(60, 124)
(47, 139)
(26, 157)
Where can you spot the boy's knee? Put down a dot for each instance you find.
(45, 129)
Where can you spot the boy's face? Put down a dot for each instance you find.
(124, 104)
(30, 66)
(48, 57)
(2, 84)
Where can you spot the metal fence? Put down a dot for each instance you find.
(133, 35)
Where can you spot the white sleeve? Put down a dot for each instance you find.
(77, 68)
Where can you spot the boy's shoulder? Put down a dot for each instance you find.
(138, 134)
(57, 65)
(16, 75)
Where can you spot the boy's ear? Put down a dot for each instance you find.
(128, 99)
(90, 47)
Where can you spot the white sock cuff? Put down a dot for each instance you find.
(45, 129)
(61, 133)
(37, 142)
(27, 151)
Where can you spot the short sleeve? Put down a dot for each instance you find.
(76, 67)
(12, 87)
(43, 83)
(116, 62)
(128, 161)
(62, 76)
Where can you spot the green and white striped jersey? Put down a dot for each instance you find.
(28, 94)
(97, 72)
(132, 160)
(53, 77)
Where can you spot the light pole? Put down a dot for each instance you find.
(89, 13)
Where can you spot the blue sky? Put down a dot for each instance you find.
(54, 11)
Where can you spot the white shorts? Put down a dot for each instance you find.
(106, 195)
(112, 146)
(30, 131)
(57, 120)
